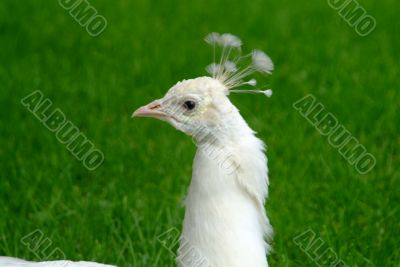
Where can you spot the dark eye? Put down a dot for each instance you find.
(189, 104)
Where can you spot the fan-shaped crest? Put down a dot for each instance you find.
(230, 69)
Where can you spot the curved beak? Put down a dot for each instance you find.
(152, 110)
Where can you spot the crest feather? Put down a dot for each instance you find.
(213, 38)
(262, 62)
(232, 71)
(231, 40)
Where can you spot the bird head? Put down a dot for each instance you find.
(201, 105)
(191, 106)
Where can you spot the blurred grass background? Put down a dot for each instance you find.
(114, 214)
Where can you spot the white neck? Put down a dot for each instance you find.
(225, 221)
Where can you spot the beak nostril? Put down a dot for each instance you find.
(153, 109)
(155, 106)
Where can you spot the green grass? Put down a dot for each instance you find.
(114, 214)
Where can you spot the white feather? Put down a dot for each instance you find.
(230, 66)
(268, 92)
(230, 40)
(262, 62)
(14, 262)
(229, 71)
(213, 69)
(252, 82)
(213, 38)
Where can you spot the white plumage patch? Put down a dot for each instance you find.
(14, 262)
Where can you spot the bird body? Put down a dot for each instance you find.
(225, 222)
